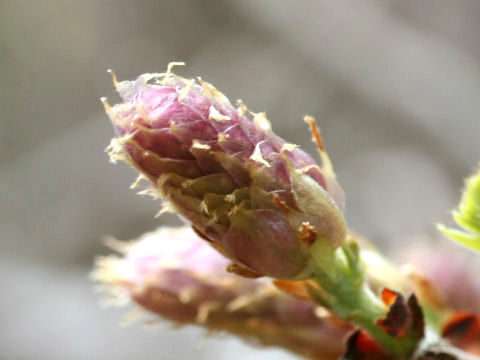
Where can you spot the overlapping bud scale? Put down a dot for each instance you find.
(174, 274)
(260, 201)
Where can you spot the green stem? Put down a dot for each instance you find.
(365, 311)
(345, 293)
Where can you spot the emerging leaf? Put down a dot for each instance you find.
(467, 216)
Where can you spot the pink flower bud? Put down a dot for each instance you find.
(173, 273)
(262, 202)
(453, 274)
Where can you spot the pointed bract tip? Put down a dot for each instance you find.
(172, 64)
(106, 105)
(115, 81)
(317, 138)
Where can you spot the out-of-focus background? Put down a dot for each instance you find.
(394, 85)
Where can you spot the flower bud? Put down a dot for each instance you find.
(451, 273)
(173, 273)
(260, 201)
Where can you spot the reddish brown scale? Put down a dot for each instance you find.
(404, 318)
(361, 346)
(463, 331)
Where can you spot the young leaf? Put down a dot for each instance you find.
(467, 216)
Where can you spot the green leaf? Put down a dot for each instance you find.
(467, 216)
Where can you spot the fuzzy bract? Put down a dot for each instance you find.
(172, 273)
(259, 200)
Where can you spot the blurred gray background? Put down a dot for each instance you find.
(394, 85)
